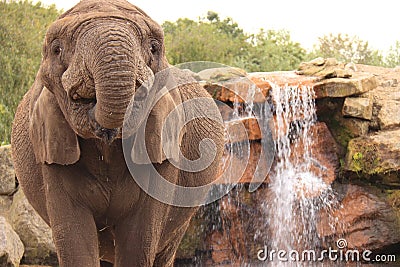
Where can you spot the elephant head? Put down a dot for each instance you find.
(96, 57)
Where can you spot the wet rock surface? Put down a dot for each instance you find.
(367, 218)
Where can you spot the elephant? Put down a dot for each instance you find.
(67, 138)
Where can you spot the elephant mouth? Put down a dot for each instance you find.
(90, 101)
(106, 135)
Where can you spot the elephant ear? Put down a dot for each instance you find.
(160, 136)
(52, 138)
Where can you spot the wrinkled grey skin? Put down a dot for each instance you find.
(66, 139)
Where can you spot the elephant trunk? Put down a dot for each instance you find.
(116, 69)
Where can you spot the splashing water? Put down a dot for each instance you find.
(298, 193)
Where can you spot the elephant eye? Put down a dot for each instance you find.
(56, 48)
(154, 46)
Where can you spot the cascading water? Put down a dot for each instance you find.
(298, 193)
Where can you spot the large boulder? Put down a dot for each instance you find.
(365, 217)
(357, 107)
(7, 175)
(358, 84)
(386, 97)
(5, 204)
(33, 231)
(324, 68)
(11, 247)
(389, 115)
(374, 154)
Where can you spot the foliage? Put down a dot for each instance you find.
(205, 40)
(22, 29)
(273, 51)
(393, 57)
(348, 48)
(223, 41)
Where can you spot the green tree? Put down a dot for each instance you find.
(22, 29)
(348, 48)
(273, 50)
(393, 57)
(223, 41)
(208, 39)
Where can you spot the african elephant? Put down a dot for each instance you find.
(67, 141)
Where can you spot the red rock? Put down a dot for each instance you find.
(237, 89)
(281, 78)
(324, 155)
(253, 131)
(248, 173)
(364, 219)
(221, 251)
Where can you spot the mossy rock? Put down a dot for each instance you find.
(376, 155)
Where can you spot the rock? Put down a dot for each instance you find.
(220, 248)
(329, 110)
(389, 114)
(324, 156)
(324, 69)
(5, 204)
(193, 240)
(33, 231)
(250, 124)
(235, 90)
(340, 87)
(319, 61)
(283, 79)
(221, 74)
(386, 97)
(350, 66)
(247, 174)
(390, 83)
(357, 107)
(324, 152)
(7, 174)
(364, 218)
(356, 127)
(374, 154)
(11, 247)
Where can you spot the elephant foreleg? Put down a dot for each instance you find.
(166, 257)
(137, 236)
(72, 223)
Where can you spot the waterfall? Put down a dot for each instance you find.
(298, 193)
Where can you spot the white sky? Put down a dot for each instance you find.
(377, 22)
